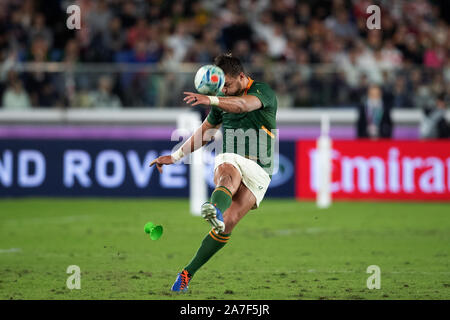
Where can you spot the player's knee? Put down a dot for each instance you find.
(223, 171)
(224, 177)
(226, 169)
(225, 166)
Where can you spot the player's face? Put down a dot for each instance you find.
(233, 85)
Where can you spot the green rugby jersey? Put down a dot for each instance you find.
(250, 134)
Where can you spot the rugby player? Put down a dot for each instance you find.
(242, 172)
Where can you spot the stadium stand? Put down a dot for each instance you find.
(315, 53)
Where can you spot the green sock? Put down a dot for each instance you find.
(221, 198)
(212, 243)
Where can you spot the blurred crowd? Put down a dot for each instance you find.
(314, 53)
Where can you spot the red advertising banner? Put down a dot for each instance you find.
(364, 169)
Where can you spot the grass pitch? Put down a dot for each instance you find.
(284, 250)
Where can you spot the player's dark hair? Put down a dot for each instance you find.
(230, 65)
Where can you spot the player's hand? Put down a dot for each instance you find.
(195, 99)
(160, 161)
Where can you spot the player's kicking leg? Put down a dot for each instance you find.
(227, 179)
(233, 199)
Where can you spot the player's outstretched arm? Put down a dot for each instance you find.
(200, 137)
(240, 104)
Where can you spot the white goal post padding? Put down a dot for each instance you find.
(324, 144)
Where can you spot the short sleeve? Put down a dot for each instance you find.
(215, 116)
(266, 95)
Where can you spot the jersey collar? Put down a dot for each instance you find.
(250, 82)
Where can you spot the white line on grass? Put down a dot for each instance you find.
(333, 271)
(11, 250)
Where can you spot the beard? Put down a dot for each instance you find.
(240, 90)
